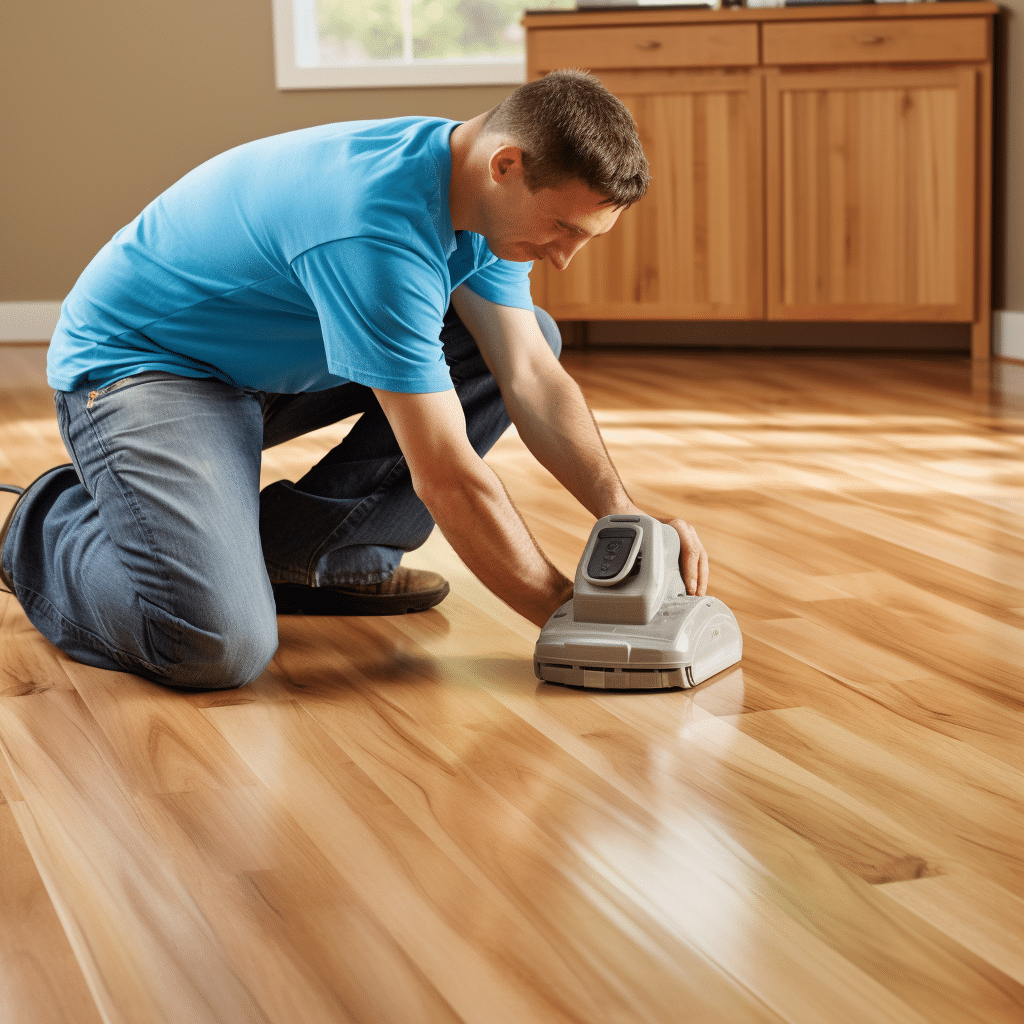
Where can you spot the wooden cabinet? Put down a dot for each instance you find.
(876, 40)
(649, 46)
(871, 179)
(814, 163)
(692, 248)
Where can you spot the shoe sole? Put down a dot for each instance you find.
(295, 599)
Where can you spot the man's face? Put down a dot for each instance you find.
(549, 224)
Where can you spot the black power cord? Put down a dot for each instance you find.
(13, 490)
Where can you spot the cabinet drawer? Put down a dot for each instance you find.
(876, 42)
(656, 46)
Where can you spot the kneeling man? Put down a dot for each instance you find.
(371, 267)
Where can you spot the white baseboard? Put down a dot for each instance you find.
(27, 321)
(1008, 334)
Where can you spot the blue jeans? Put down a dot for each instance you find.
(154, 552)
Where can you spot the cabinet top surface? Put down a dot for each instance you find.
(818, 12)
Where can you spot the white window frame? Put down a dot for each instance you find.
(291, 22)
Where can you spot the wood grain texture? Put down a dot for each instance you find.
(981, 329)
(398, 824)
(40, 981)
(659, 46)
(908, 40)
(871, 187)
(692, 248)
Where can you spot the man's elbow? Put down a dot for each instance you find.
(444, 487)
(539, 389)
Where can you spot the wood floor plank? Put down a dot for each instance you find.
(981, 916)
(972, 558)
(140, 937)
(872, 706)
(665, 880)
(953, 796)
(934, 611)
(10, 792)
(28, 663)
(40, 981)
(930, 574)
(911, 961)
(851, 661)
(161, 744)
(398, 824)
(487, 964)
(346, 734)
(966, 517)
(985, 655)
(287, 919)
(898, 651)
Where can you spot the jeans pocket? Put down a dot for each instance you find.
(130, 382)
(100, 392)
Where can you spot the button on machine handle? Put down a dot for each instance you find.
(611, 552)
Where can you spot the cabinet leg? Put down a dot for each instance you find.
(981, 379)
(574, 333)
(981, 339)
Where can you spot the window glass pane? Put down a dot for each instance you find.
(358, 32)
(371, 31)
(467, 28)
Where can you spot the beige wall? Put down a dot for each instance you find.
(106, 104)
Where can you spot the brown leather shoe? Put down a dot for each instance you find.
(406, 590)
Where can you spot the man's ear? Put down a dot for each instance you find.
(506, 165)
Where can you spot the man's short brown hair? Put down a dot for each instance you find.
(568, 125)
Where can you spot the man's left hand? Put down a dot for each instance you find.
(693, 559)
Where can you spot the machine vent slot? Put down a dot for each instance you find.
(640, 670)
(551, 664)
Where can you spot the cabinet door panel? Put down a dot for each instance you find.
(871, 195)
(692, 247)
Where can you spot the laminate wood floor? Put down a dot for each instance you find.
(398, 824)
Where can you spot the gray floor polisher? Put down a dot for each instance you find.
(630, 624)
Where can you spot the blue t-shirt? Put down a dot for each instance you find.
(289, 264)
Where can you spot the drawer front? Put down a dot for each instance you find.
(656, 46)
(878, 41)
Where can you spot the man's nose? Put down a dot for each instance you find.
(561, 256)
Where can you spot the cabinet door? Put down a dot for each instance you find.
(692, 248)
(871, 194)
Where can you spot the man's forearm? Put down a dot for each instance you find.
(555, 423)
(557, 426)
(478, 519)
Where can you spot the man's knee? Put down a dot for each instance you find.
(212, 652)
(548, 327)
